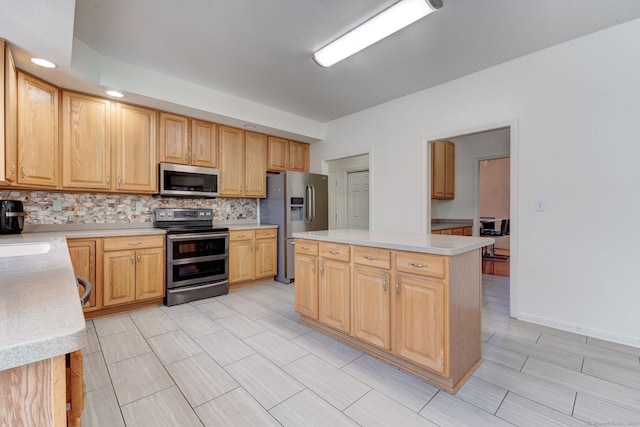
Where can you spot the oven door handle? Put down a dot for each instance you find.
(199, 236)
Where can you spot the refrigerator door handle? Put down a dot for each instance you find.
(307, 213)
(313, 211)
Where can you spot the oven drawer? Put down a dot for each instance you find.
(133, 242)
(238, 235)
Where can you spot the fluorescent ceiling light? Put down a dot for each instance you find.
(43, 63)
(384, 24)
(114, 93)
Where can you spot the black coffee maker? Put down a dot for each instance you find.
(11, 216)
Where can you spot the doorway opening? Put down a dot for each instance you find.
(349, 195)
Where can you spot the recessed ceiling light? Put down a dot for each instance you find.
(114, 93)
(43, 63)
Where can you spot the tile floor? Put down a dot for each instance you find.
(243, 360)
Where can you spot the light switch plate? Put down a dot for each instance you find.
(57, 205)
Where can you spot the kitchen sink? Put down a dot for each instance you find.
(22, 249)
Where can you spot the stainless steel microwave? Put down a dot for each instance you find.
(188, 181)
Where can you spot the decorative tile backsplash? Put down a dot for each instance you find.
(90, 208)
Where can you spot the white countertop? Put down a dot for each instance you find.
(414, 242)
(40, 312)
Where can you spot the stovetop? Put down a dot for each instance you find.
(185, 220)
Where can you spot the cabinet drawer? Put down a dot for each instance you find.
(306, 247)
(458, 231)
(336, 251)
(266, 233)
(422, 264)
(126, 243)
(237, 235)
(468, 231)
(380, 258)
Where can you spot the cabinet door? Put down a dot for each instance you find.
(174, 139)
(306, 286)
(266, 258)
(37, 132)
(371, 320)
(299, 156)
(278, 154)
(150, 273)
(10, 118)
(334, 295)
(86, 142)
(231, 143)
(241, 261)
(204, 144)
(119, 277)
(83, 259)
(136, 158)
(419, 322)
(443, 170)
(255, 178)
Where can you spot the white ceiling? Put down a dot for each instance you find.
(260, 51)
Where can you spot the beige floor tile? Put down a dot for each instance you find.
(508, 358)
(178, 311)
(328, 349)
(215, 309)
(201, 379)
(377, 410)
(620, 348)
(101, 409)
(613, 373)
(138, 377)
(508, 329)
(305, 409)
(249, 309)
(600, 413)
(482, 394)
(197, 325)
(240, 326)
(224, 348)
(95, 372)
(560, 357)
(392, 382)
(263, 380)
(590, 351)
(235, 409)
(447, 410)
(113, 324)
(174, 346)
(93, 345)
(529, 386)
(275, 348)
(123, 345)
(153, 321)
(167, 408)
(332, 384)
(526, 413)
(283, 326)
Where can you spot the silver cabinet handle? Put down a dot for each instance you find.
(413, 264)
(398, 289)
(119, 180)
(138, 258)
(322, 268)
(370, 258)
(13, 168)
(334, 252)
(134, 243)
(132, 260)
(384, 284)
(292, 243)
(313, 268)
(186, 156)
(304, 248)
(108, 181)
(24, 173)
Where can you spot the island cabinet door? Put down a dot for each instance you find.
(334, 300)
(306, 286)
(119, 277)
(371, 320)
(419, 309)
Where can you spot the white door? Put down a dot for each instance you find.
(358, 200)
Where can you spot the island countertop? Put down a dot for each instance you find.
(413, 242)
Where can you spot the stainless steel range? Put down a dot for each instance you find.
(197, 254)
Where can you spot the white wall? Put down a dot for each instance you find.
(576, 146)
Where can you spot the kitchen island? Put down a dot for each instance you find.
(412, 300)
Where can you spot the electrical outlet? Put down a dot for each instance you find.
(539, 205)
(139, 207)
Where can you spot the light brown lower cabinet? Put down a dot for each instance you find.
(419, 312)
(252, 255)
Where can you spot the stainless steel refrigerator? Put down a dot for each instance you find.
(296, 202)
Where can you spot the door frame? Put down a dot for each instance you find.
(346, 198)
(514, 143)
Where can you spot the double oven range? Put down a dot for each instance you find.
(197, 254)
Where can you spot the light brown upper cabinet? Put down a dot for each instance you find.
(174, 139)
(136, 158)
(243, 163)
(255, 167)
(204, 144)
(443, 155)
(286, 155)
(37, 161)
(86, 142)
(8, 115)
